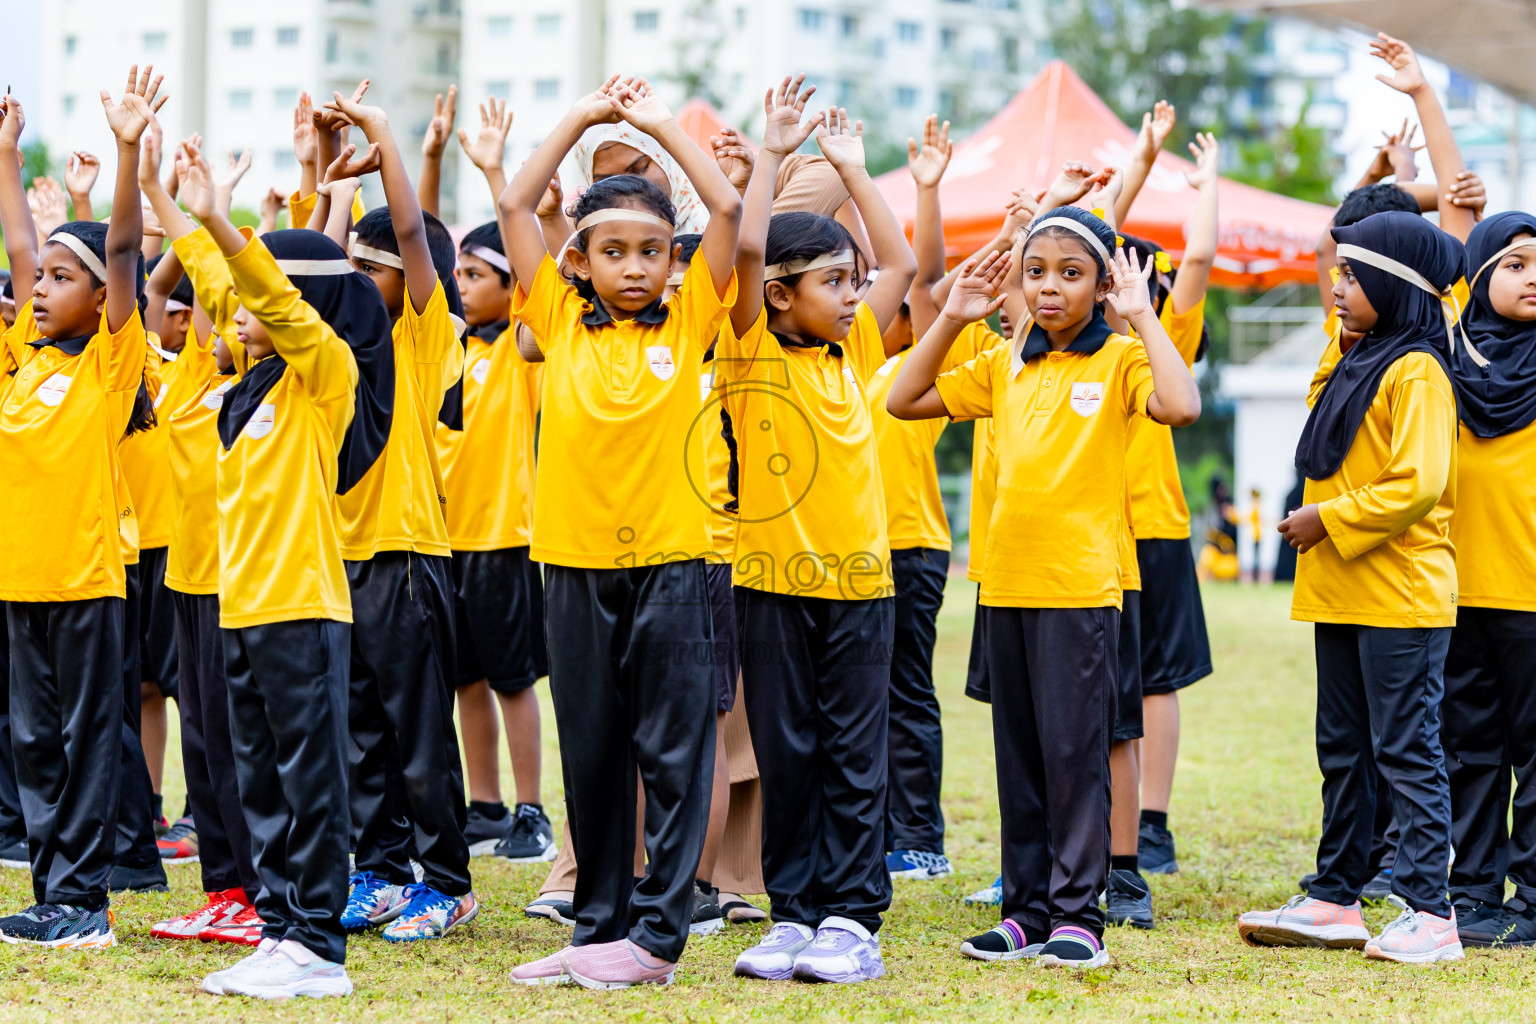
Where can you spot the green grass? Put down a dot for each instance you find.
(1245, 810)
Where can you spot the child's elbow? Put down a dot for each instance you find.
(727, 208)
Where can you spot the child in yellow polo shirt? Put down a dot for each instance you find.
(1377, 574)
(1062, 395)
(622, 529)
(78, 353)
(812, 576)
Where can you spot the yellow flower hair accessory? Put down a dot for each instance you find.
(1098, 211)
(1333, 274)
(1119, 242)
(1164, 264)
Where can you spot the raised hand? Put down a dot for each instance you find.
(344, 166)
(1407, 76)
(1129, 296)
(440, 129)
(80, 171)
(1467, 191)
(1071, 184)
(732, 157)
(1206, 153)
(151, 150)
(976, 294)
(304, 133)
(12, 121)
(226, 182)
(489, 147)
(197, 185)
(636, 102)
(928, 166)
(48, 204)
(271, 205)
(1155, 129)
(595, 108)
(549, 202)
(1021, 209)
(784, 112)
(333, 117)
(842, 141)
(141, 100)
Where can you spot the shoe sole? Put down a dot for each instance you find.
(95, 940)
(309, 990)
(612, 986)
(748, 971)
(807, 973)
(1331, 937)
(743, 913)
(548, 979)
(1027, 953)
(543, 858)
(922, 874)
(1099, 959)
(168, 935)
(484, 848)
(175, 861)
(548, 913)
(713, 926)
(18, 865)
(231, 939)
(418, 938)
(1373, 952)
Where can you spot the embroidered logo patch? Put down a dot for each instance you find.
(215, 399)
(479, 370)
(261, 422)
(660, 359)
(706, 384)
(889, 365)
(1086, 398)
(52, 391)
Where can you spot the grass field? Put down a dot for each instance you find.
(1245, 812)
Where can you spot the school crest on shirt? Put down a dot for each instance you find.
(52, 391)
(1086, 398)
(214, 399)
(479, 370)
(706, 384)
(261, 422)
(660, 359)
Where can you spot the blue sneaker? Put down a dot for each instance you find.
(917, 864)
(429, 914)
(991, 896)
(373, 902)
(60, 926)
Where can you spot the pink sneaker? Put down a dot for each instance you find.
(1416, 937)
(544, 971)
(1304, 921)
(607, 965)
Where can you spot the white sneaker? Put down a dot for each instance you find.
(1416, 937)
(843, 952)
(290, 970)
(774, 958)
(214, 983)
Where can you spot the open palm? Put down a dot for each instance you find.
(1407, 76)
(490, 145)
(927, 165)
(784, 112)
(976, 294)
(131, 115)
(841, 141)
(1129, 296)
(1207, 158)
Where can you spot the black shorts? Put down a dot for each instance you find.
(498, 601)
(1128, 694)
(722, 613)
(978, 684)
(151, 651)
(1175, 650)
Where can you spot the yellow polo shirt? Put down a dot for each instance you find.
(983, 459)
(717, 468)
(301, 209)
(620, 473)
(1494, 528)
(1057, 532)
(812, 506)
(192, 559)
(1158, 510)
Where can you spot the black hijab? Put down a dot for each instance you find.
(352, 306)
(1409, 319)
(1499, 398)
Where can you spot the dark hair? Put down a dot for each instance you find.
(1373, 199)
(377, 231)
(689, 245)
(142, 417)
(1146, 251)
(94, 235)
(805, 236)
(621, 190)
(486, 236)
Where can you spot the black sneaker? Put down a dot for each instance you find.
(1305, 885)
(1155, 854)
(13, 853)
(150, 878)
(1378, 888)
(1487, 924)
(1128, 899)
(484, 827)
(1074, 948)
(1005, 942)
(531, 839)
(552, 908)
(60, 926)
(707, 919)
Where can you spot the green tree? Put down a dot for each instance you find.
(36, 161)
(697, 48)
(1293, 160)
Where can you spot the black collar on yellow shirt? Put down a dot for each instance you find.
(833, 348)
(69, 346)
(597, 316)
(488, 333)
(1088, 341)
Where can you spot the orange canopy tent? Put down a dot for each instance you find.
(1264, 239)
(699, 121)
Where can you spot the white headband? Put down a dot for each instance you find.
(1062, 220)
(316, 268)
(1528, 243)
(1452, 313)
(676, 280)
(490, 256)
(172, 306)
(774, 271)
(80, 249)
(358, 251)
(591, 220)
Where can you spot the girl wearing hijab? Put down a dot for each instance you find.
(1376, 572)
(1490, 717)
(606, 150)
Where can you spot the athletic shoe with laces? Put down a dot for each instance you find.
(1073, 947)
(243, 930)
(429, 914)
(922, 864)
(557, 908)
(773, 959)
(1005, 942)
(179, 843)
(543, 971)
(1485, 925)
(222, 907)
(707, 919)
(614, 965)
(843, 952)
(991, 896)
(1155, 852)
(60, 926)
(149, 878)
(1128, 900)
(1416, 937)
(214, 983)
(484, 826)
(530, 839)
(735, 909)
(1304, 921)
(289, 970)
(13, 853)
(372, 901)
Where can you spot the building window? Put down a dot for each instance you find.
(154, 42)
(906, 96)
(285, 99)
(741, 17)
(445, 58)
(240, 99)
(288, 35)
(947, 39)
(811, 20)
(1010, 54)
(69, 46)
(646, 21)
(909, 31)
(846, 91)
(947, 104)
(547, 24)
(331, 47)
(282, 159)
(69, 105)
(501, 89)
(242, 38)
(849, 24)
(499, 27)
(546, 89)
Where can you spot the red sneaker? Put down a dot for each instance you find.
(179, 843)
(243, 930)
(221, 908)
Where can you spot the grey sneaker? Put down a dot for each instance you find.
(843, 952)
(289, 970)
(13, 853)
(59, 926)
(1128, 900)
(773, 959)
(484, 826)
(707, 919)
(531, 839)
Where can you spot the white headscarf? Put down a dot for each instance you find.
(691, 214)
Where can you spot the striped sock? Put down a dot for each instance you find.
(1012, 933)
(1067, 939)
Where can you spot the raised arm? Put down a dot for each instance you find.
(128, 119)
(80, 171)
(306, 143)
(1444, 155)
(927, 167)
(15, 217)
(341, 180)
(1155, 127)
(162, 281)
(439, 131)
(489, 148)
(974, 297)
(1200, 249)
(1017, 215)
(224, 184)
(842, 143)
(638, 104)
(1175, 398)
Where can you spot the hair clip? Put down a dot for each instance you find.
(1333, 274)
(1119, 242)
(1098, 211)
(1164, 264)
